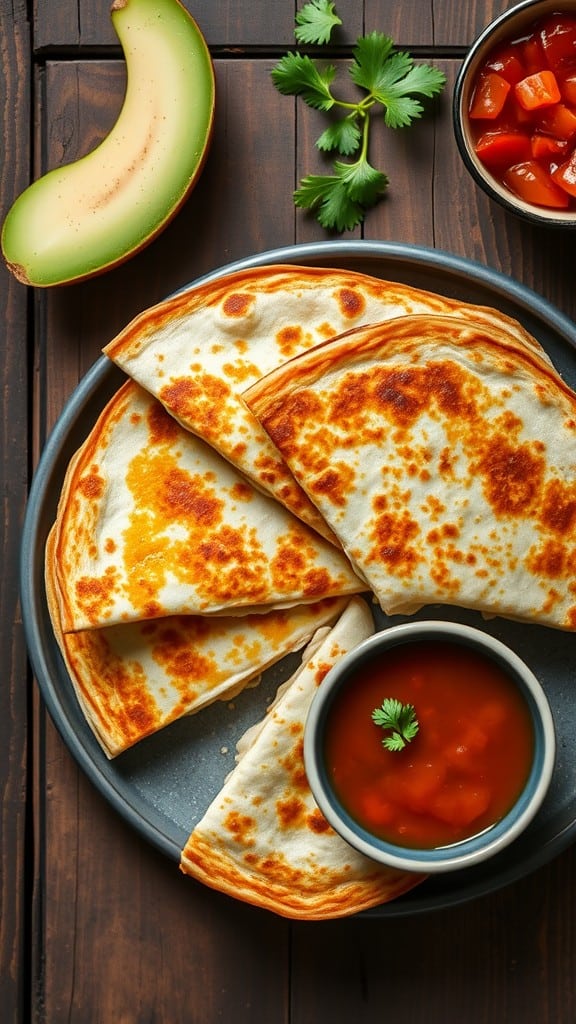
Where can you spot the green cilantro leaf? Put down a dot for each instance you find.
(399, 80)
(364, 183)
(327, 196)
(340, 199)
(398, 718)
(298, 75)
(343, 135)
(315, 22)
(371, 55)
(388, 79)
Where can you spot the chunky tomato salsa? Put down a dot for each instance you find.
(464, 768)
(523, 113)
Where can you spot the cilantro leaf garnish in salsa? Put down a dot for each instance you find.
(523, 113)
(464, 767)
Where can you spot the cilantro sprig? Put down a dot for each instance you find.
(399, 719)
(392, 85)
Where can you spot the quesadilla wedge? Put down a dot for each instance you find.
(263, 839)
(444, 458)
(153, 522)
(134, 679)
(199, 351)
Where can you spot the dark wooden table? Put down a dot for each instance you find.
(95, 925)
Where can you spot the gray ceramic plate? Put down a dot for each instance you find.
(162, 786)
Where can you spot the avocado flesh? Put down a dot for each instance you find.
(87, 216)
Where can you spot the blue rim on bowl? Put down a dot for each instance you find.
(510, 24)
(468, 851)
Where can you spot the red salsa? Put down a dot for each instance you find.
(523, 113)
(466, 765)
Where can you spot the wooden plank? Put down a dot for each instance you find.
(124, 936)
(14, 691)
(86, 23)
(506, 957)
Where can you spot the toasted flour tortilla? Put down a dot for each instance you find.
(263, 839)
(134, 679)
(199, 351)
(443, 456)
(153, 522)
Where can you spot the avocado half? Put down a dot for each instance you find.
(88, 216)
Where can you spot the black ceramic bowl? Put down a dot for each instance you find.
(512, 24)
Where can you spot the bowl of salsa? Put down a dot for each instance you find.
(430, 747)
(514, 111)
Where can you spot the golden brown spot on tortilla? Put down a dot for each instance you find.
(183, 496)
(237, 304)
(298, 409)
(110, 545)
(270, 469)
(549, 560)
(393, 535)
(92, 485)
(351, 302)
(95, 596)
(289, 570)
(201, 400)
(512, 476)
(162, 427)
(571, 618)
(336, 484)
(559, 507)
(123, 702)
(240, 826)
(293, 765)
(242, 491)
(321, 671)
(349, 400)
(317, 823)
(241, 374)
(290, 811)
(182, 662)
(219, 561)
(289, 340)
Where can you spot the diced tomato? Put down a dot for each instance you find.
(419, 783)
(490, 96)
(538, 90)
(559, 121)
(506, 63)
(568, 89)
(532, 54)
(501, 148)
(492, 715)
(532, 183)
(545, 146)
(522, 118)
(461, 803)
(376, 809)
(565, 175)
(558, 38)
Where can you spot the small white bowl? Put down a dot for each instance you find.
(466, 852)
(511, 24)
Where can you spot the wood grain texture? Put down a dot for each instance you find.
(14, 686)
(119, 935)
(239, 26)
